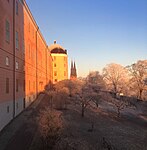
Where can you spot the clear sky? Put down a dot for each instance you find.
(95, 32)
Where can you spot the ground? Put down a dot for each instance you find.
(129, 132)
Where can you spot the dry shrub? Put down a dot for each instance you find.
(50, 126)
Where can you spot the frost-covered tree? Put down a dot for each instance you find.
(116, 77)
(138, 77)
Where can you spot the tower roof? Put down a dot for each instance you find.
(56, 48)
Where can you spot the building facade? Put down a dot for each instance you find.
(25, 59)
(60, 62)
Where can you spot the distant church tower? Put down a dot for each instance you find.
(73, 72)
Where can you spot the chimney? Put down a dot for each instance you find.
(55, 42)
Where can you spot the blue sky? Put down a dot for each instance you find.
(95, 32)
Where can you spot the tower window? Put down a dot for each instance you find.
(55, 73)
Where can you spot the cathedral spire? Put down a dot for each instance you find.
(71, 64)
(73, 73)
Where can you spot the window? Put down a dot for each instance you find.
(29, 26)
(29, 51)
(34, 85)
(7, 31)
(24, 86)
(7, 85)
(17, 40)
(16, 105)
(56, 80)
(23, 46)
(29, 85)
(24, 68)
(8, 109)
(55, 65)
(55, 73)
(16, 85)
(16, 8)
(16, 65)
(7, 61)
(54, 57)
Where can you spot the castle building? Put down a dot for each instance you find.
(73, 71)
(60, 62)
(26, 64)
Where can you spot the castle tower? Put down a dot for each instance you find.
(60, 62)
(73, 72)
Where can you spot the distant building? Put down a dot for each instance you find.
(60, 62)
(73, 71)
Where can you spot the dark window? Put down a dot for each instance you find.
(55, 65)
(55, 73)
(24, 85)
(56, 80)
(16, 105)
(7, 85)
(16, 85)
(29, 86)
(16, 7)
(16, 40)
(34, 85)
(64, 73)
(8, 109)
(7, 31)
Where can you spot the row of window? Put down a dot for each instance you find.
(7, 30)
(16, 8)
(55, 73)
(8, 83)
(16, 39)
(17, 85)
(8, 63)
(55, 65)
(8, 108)
(63, 58)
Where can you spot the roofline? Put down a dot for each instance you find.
(33, 20)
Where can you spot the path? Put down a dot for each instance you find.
(18, 135)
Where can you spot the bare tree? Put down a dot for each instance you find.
(50, 126)
(61, 98)
(116, 77)
(138, 73)
(51, 95)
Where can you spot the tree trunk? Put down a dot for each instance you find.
(118, 112)
(83, 110)
(140, 94)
